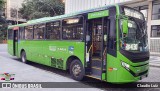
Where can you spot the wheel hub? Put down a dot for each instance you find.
(76, 70)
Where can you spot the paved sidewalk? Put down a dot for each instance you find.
(3, 47)
(154, 61)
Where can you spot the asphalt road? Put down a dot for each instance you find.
(33, 72)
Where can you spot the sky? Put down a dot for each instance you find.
(16, 3)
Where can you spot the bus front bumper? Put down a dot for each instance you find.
(132, 74)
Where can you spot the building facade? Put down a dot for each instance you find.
(150, 9)
(11, 11)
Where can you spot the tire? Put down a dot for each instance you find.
(23, 57)
(77, 70)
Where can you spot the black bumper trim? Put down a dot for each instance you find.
(138, 74)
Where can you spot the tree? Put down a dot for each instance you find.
(33, 9)
(3, 23)
(1, 4)
(1, 7)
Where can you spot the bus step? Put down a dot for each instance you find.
(96, 58)
(96, 63)
(88, 70)
(96, 54)
(94, 76)
(96, 71)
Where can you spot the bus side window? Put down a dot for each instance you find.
(53, 30)
(21, 33)
(73, 28)
(29, 32)
(10, 34)
(39, 31)
(112, 33)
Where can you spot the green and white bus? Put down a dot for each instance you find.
(108, 43)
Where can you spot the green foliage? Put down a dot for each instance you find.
(3, 34)
(3, 23)
(1, 4)
(3, 29)
(33, 9)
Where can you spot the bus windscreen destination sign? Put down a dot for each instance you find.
(133, 13)
(98, 14)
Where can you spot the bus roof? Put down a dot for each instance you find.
(19, 25)
(49, 19)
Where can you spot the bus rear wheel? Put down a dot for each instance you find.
(23, 57)
(76, 70)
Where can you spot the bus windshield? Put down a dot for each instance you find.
(136, 39)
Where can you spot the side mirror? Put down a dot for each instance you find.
(125, 26)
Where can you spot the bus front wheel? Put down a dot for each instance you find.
(23, 57)
(76, 70)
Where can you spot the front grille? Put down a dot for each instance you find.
(138, 74)
(143, 73)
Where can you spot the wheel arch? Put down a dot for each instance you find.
(22, 50)
(70, 59)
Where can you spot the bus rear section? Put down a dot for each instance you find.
(13, 40)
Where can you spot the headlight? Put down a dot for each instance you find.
(125, 65)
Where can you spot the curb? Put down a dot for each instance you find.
(154, 66)
(154, 54)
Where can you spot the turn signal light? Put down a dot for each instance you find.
(110, 69)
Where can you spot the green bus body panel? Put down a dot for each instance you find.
(98, 14)
(43, 51)
(10, 47)
(113, 62)
(124, 74)
(119, 73)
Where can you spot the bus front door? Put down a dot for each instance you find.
(97, 47)
(15, 42)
